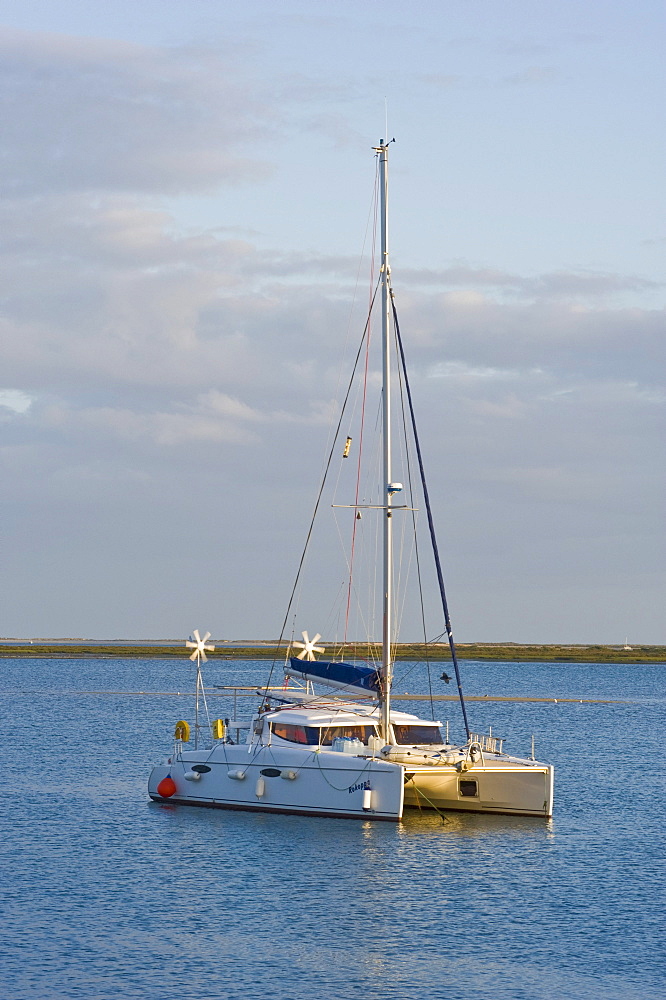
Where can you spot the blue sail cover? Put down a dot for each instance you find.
(336, 674)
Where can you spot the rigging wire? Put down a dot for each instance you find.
(323, 484)
(363, 404)
(416, 545)
(358, 480)
(431, 524)
(371, 221)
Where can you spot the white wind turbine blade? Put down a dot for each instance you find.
(303, 646)
(199, 646)
(308, 647)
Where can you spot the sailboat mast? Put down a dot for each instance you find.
(387, 624)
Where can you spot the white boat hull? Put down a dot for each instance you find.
(283, 779)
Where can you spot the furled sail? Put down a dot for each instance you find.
(335, 674)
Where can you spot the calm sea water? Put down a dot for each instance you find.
(107, 895)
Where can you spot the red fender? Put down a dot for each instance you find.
(166, 787)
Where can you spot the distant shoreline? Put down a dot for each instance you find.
(513, 652)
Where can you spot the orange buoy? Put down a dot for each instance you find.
(166, 787)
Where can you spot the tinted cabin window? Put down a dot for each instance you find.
(295, 734)
(362, 733)
(314, 736)
(419, 735)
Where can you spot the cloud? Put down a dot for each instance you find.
(531, 76)
(485, 331)
(441, 81)
(15, 400)
(546, 44)
(161, 429)
(510, 407)
(137, 352)
(461, 370)
(133, 314)
(557, 284)
(90, 114)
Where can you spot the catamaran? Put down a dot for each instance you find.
(348, 752)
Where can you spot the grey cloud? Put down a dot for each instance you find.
(557, 284)
(171, 373)
(559, 337)
(336, 128)
(201, 381)
(442, 81)
(167, 393)
(531, 76)
(304, 89)
(539, 46)
(86, 114)
(125, 300)
(524, 47)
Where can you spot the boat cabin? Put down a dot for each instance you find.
(325, 728)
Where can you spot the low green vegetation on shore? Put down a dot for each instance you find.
(514, 652)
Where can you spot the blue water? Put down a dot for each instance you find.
(107, 895)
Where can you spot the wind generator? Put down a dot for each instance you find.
(199, 646)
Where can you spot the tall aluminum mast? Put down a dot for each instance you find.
(387, 626)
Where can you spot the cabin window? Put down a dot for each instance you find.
(468, 788)
(314, 736)
(306, 735)
(419, 735)
(330, 733)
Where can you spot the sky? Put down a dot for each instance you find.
(186, 193)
